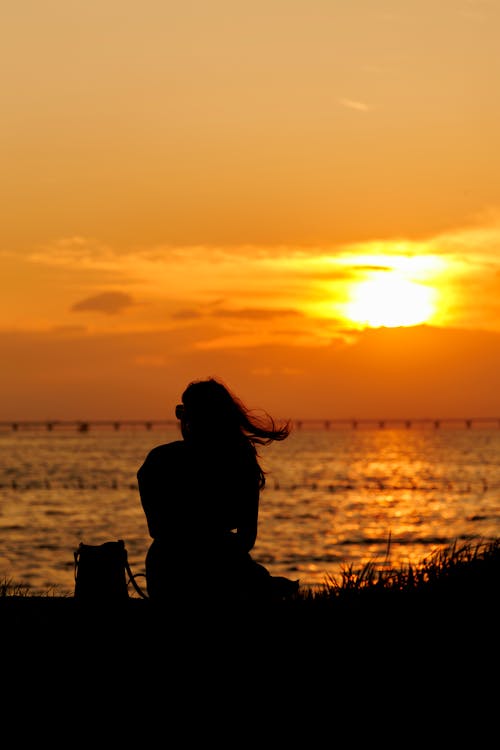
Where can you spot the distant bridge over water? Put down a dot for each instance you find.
(436, 423)
(306, 423)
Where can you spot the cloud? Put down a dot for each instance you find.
(109, 303)
(243, 291)
(352, 104)
(254, 313)
(66, 251)
(186, 314)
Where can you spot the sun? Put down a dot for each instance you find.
(388, 300)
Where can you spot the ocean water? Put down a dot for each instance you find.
(334, 498)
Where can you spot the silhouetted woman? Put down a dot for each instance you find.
(200, 496)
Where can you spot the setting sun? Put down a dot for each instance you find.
(390, 301)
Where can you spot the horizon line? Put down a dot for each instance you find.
(83, 425)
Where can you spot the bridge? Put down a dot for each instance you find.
(84, 425)
(434, 422)
(306, 423)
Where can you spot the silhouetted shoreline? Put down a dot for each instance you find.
(466, 609)
(440, 617)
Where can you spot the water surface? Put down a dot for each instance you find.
(333, 498)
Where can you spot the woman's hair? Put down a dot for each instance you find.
(211, 411)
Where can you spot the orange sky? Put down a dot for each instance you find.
(298, 196)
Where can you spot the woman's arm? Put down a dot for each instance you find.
(249, 516)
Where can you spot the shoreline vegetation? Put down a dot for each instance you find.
(463, 578)
(425, 625)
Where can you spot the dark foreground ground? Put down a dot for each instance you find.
(463, 620)
(399, 661)
(416, 670)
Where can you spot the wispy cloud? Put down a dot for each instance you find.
(222, 293)
(109, 303)
(186, 314)
(87, 252)
(254, 313)
(354, 104)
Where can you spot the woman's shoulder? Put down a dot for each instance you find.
(166, 451)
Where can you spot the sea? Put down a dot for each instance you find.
(336, 498)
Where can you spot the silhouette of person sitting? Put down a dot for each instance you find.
(201, 495)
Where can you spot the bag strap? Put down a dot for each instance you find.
(132, 580)
(76, 555)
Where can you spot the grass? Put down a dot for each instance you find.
(457, 570)
(433, 617)
(381, 648)
(8, 587)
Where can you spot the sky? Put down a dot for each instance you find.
(299, 197)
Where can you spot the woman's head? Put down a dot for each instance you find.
(209, 406)
(212, 416)
(210, 409)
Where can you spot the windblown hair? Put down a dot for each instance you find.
(212, 412)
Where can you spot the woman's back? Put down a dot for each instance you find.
(203, 489)
(201, 494)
